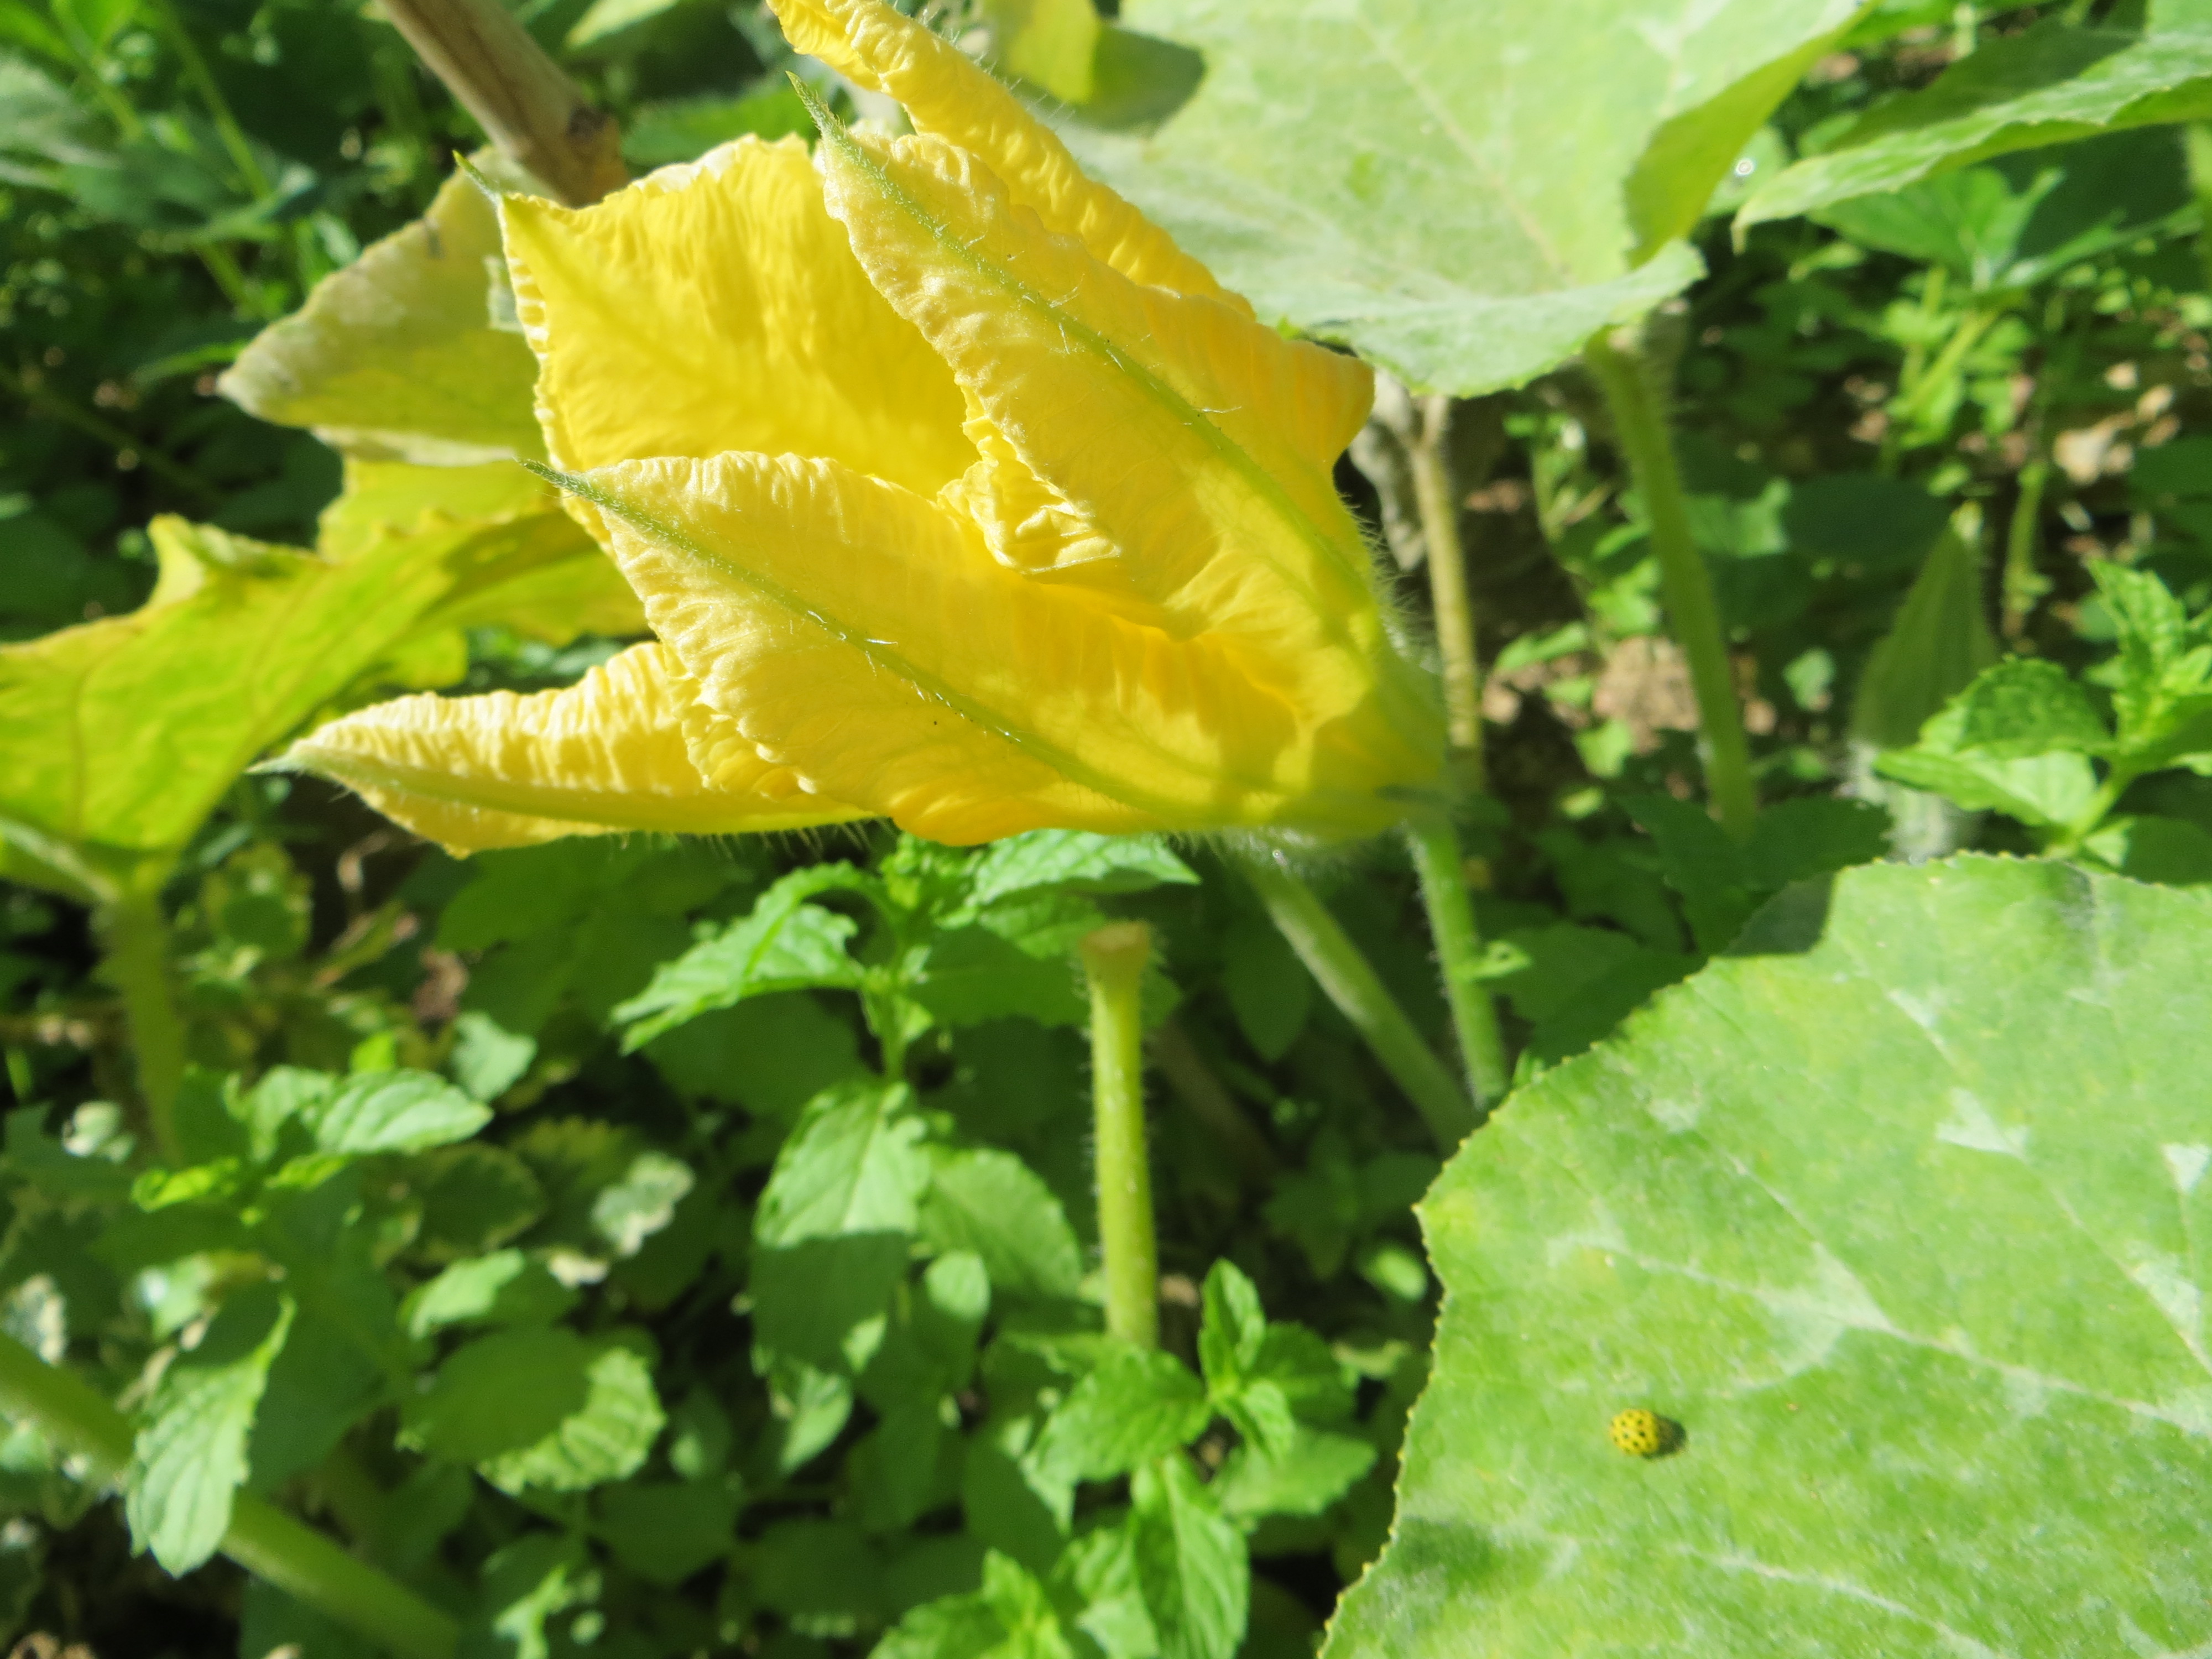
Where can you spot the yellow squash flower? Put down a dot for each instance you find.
(954, 492)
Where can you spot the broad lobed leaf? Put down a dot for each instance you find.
(1887, 1236)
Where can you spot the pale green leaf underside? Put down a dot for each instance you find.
(400, 355)
(1391, 173)
(1913, 1249)
(2054, 84)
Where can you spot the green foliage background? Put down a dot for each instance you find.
(652, 1248)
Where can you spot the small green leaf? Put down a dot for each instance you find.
(1074, 861)
(398, 354)
(972, 975)
(2162, 678)
(665, 1531)
(2048, 788)
(785, 945)
(475, 1198)
(540, 1407)
(1134, 1406)
(499, 1394)
(321, 1383)
(396, 1112)
(627, 1211)
(2045, 85)
(504, 1288)
(818, 1569)
(991, 1203)
(1939, 641)
(1796, 839)
(853, 1164)
(191, 1457)
(1191, 1562)
(1315, 1468)
(1270, 991)
(1232, 1329)
(487, 1059)
(2027, 707)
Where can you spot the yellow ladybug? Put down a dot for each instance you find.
(1642, 1432)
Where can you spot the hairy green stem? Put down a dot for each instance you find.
(2023, 584)
(1437, 501)
(1210, 1101)
(135, 944)
(1442, 866)
(1353, 986)
(1113, 962)
(235, 140)
(268, 1543)
(1639, 421)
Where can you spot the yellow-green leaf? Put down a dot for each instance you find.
(402, 353)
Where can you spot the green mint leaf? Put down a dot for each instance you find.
(321, 1383)
(1270, 991)
(853, 1164)
(785, 945)
(1135, 1406)
(1303, 1476)
(2162, 677)
(1231, 1328)
(1191, 1562)
(540, 1407)
(995, 1205)
(504, 1288)
(2024, 708)
(475, 1198)
(664, 1531)
(1074, 861)
(1938, 642)
(191, 1457)
(627, 1211)
(395, 1112)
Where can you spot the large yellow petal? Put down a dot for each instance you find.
(1196, 441)
(717, 306)
(946, 94)
(606, 755)
(865, 637)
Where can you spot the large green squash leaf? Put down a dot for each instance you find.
(405, 353)
(2049, 84)
(1899, 1211)
(122, 733)
(514, 556)
(1463, 189)
(118, 737)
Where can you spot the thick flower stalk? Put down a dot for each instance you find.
(955, 494)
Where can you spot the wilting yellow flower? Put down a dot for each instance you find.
(955, 492)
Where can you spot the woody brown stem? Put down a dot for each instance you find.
(517, 94)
